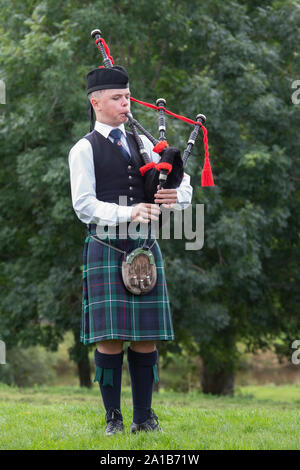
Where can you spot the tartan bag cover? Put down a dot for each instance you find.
(109, 310)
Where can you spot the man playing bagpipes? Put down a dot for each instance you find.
(125, 296)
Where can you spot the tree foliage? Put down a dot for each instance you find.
(233, 61)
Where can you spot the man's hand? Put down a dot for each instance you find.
(166, 197)
(144, 211)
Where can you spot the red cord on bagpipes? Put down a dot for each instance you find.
(206, 177)
(106, 48)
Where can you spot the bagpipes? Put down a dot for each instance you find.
(139, 271)
(168, 173)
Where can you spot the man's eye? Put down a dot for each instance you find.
(116, 98)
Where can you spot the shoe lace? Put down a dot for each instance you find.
(154, 417)
(113, 415)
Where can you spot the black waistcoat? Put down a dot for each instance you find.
(115, 175)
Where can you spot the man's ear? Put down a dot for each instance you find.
(95, 104)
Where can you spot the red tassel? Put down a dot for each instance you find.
(206, 176)
(164, 166)
(147, 167)
(160, 146)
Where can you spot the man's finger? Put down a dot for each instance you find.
(167, 191)
(166, 201)
(148, 204)
(167, 194)
(154, 210)
(143, 219)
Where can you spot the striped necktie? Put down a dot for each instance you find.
(116, 135)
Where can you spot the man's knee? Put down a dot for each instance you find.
(112, 346)
(143, 346)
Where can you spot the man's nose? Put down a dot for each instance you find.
(125, 102)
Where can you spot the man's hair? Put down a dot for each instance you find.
(95, 94)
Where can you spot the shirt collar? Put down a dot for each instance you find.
(105, 129)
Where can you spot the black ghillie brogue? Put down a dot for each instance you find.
(151, 424)
(114, 422)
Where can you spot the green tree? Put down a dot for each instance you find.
(233, 61)
(242, 286)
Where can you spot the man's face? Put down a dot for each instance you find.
(112, 105)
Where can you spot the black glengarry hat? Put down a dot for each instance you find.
(107, 78)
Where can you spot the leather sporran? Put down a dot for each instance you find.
(139, 271)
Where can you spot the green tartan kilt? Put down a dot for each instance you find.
(109, 310)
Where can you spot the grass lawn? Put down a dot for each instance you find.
(258, 417)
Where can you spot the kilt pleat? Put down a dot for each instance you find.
(109, 310)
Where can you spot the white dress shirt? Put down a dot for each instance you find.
(83, 182)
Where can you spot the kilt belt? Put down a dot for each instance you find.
(109, 310)
(113, 247)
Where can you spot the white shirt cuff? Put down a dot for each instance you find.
(124, 214)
